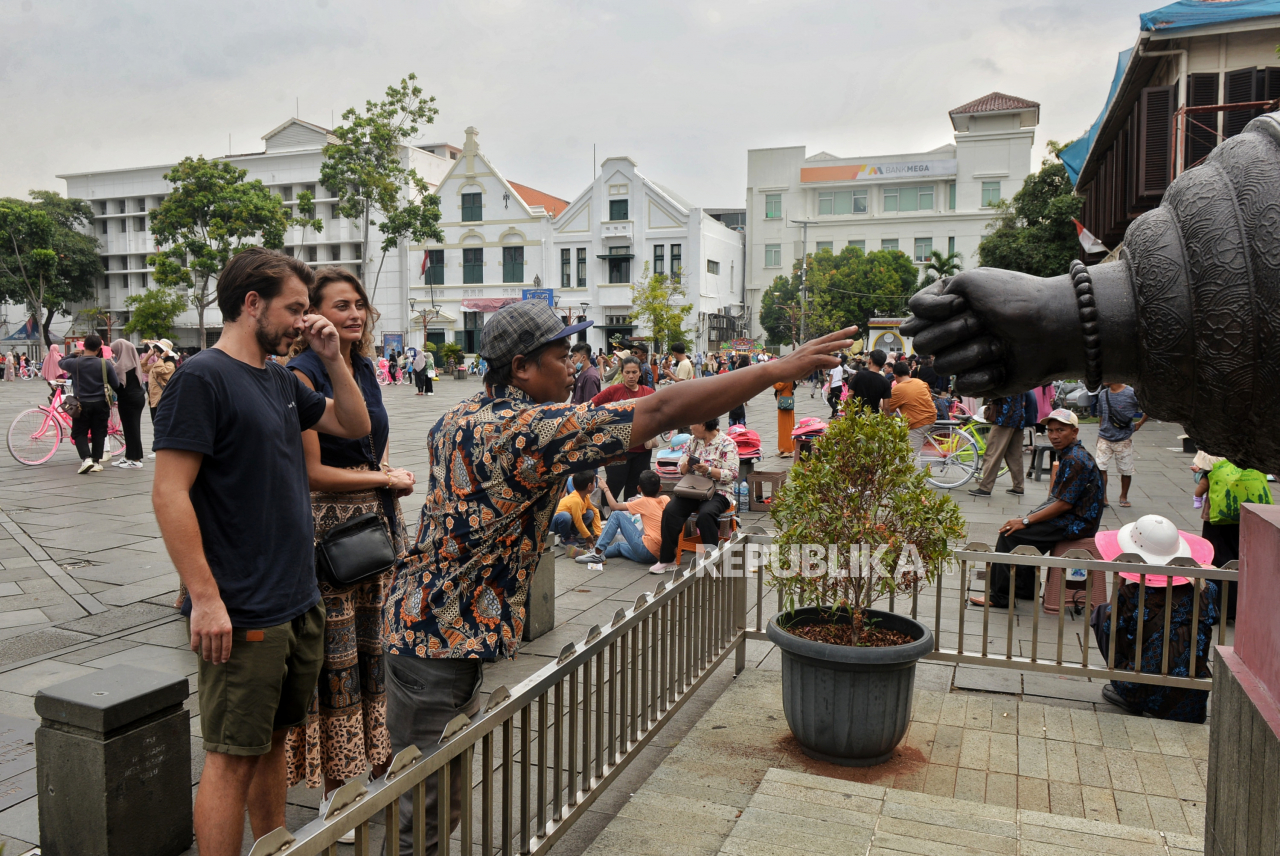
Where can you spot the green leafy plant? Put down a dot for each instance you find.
(657, 302)
(429, 346)
(860, 492)
(153, 312)
(452, 354)
(1033, 233)
(939, 267)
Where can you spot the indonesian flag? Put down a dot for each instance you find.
(425, 255)
(1087, 240)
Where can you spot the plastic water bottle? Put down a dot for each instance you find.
(744, 496)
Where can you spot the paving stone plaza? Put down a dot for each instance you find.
(994, 761)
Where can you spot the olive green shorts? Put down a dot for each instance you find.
(266, 685)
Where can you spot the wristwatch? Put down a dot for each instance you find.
(1026, 521)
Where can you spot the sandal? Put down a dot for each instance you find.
(1124, 503)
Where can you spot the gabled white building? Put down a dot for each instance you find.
(503, 238)
(289, 164)
(602, 242)
(494, 249)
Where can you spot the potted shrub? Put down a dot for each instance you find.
(847, 669)
(451, 355)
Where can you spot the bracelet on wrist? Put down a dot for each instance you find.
(1088, 309)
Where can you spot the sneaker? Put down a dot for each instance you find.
(118, 463)
(87, 465)
(430, 393)
(96, 468)
(1015, 492)
(151, 455)
(350, 836)
(131, 465)
(592, 557)
(663, 567)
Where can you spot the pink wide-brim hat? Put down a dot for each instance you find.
(1108, 544)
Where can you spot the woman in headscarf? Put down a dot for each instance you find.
(49, 368)
(132, 401)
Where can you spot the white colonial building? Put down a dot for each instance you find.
(915, 202)
(289, 165)
(502, 239)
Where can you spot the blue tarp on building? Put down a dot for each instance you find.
(1186, 14)
(1073, 155)
(1182, 15)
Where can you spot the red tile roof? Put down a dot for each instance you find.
(996, 102)
(553, 204)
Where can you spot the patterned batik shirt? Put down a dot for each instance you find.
(1079, 483)
(1008, 411)
(499, 463)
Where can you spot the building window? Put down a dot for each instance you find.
(513, 264)
(924, 249)
(566, 268)
(122, 206)
(124, 224)
(951, 196)
(862, 245)
(288, 251)
(334, 213)
(675, 261)
(842, 202)
(472, 207)
(713, 267)
(473, 265)
(908, 199)
(617, 209)
(311, 188)
(286, 193)
(582, 267)
(435, 267)
(139, 224)
(313, 254)
(619, 269)
(773, 255)
(102, 207)
(773, 206)
(104, 225)
(659, 260)
(951, 245)
(889, 244)
(335, 252)
(829, 246)
(990, 193)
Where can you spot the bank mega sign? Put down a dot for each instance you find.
(878, 171)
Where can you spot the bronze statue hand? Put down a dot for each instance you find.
(997, 331)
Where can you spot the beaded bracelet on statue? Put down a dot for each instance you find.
(1088, 308)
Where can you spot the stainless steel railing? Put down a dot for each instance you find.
(1066, 659)
(540, 754)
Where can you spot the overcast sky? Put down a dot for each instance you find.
(684, 88)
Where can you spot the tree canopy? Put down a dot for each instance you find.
(1033, 233)
(211, 214)
(153, 312)
(367, 171)
(657, 301)
(46, 261)
(843, 289)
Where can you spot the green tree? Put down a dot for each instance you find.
(1033, 233)
(366, 170)
(47, 284)
(308, 220)
(940, 266)
(153, 312)
(657, 303)
(780, 311)
(211, 214)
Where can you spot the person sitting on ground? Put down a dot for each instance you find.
(712, 454)
(1072, 511)
(641, 540)
(1158, 542)
(911, 399)
(576, 520)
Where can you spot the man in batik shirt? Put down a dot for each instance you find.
(499, 464)
(1073, 510)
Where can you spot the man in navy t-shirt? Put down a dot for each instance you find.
(233, 504)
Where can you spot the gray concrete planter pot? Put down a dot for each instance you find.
(847, 705)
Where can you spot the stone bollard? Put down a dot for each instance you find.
(540, 609)
(113, 765)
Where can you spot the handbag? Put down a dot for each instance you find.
(694, 486)
(360, 548)
(1118, 424)
(787, 402)
(108, 394)
(71, 406)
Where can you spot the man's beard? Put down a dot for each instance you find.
(272, 341)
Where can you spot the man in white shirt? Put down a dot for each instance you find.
(836, 392)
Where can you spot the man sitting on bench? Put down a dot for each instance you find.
(1073, 510)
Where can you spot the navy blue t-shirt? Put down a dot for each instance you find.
(251, 496)
(337, 451)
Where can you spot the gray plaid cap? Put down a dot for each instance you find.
(521, 328)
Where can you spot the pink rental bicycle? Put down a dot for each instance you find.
(36, 434)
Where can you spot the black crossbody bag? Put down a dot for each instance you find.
(360, 548)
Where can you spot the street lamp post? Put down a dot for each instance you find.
(804, 264)
(426, 316)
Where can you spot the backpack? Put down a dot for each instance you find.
(1229, 487)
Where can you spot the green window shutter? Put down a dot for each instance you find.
(951, 196)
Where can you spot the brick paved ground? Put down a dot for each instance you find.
(85, 582)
